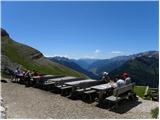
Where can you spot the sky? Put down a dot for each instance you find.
(83, 29)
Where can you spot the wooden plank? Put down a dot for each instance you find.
(48, 75)
(102, 86)
(112, 98)
(65, 87)
(89, 84)
(78, 82)
(45, 78)
(62, 79)
(49, 83)
(89, 91)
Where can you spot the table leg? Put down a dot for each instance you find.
(101, 98)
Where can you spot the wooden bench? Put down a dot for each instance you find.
(65, 90)
(85, 90)
(121, 93)
(89, 95)
(86, 86)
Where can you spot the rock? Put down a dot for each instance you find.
(4, 33)
(2, 109)
(2, 116)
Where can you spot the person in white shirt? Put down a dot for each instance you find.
(119, 82)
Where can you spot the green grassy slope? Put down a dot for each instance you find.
(140, 90)
(32, 59)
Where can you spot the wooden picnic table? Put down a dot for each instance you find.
(53, 83)
(60, 80)
(75, 84)
(40, 80)
(103, 88)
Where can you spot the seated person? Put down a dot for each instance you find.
(34, 73)
(27, 78)
(119, 82)
(126, 78)
(105, 77)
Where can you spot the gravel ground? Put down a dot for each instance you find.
(33, 103)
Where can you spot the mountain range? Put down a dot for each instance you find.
(85, 62)
(142, 67)
(71, 64)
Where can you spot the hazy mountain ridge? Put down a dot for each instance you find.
(85, 62)
(110, 64)
(71, 64)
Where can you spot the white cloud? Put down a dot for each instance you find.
(116, 52)
(97, 51)
(61, 55)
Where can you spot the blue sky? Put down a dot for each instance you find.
(83, 29)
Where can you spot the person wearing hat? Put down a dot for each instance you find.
(105, 77)
(126, 78)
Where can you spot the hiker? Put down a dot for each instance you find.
(105, 77)
(17, 72)
(119, 82)
(22, 79)
(27, 78)
(35, 73)
(126, 78)
(35, 80)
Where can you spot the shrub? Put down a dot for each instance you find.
(155, 112)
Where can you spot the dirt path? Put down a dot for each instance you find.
(31, 102)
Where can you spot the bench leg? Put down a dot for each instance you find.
(66, 92)
(116, 106)
(62, 92)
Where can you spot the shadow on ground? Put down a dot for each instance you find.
(123, 106)
(4, 81)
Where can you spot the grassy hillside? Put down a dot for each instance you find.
(32, 59)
